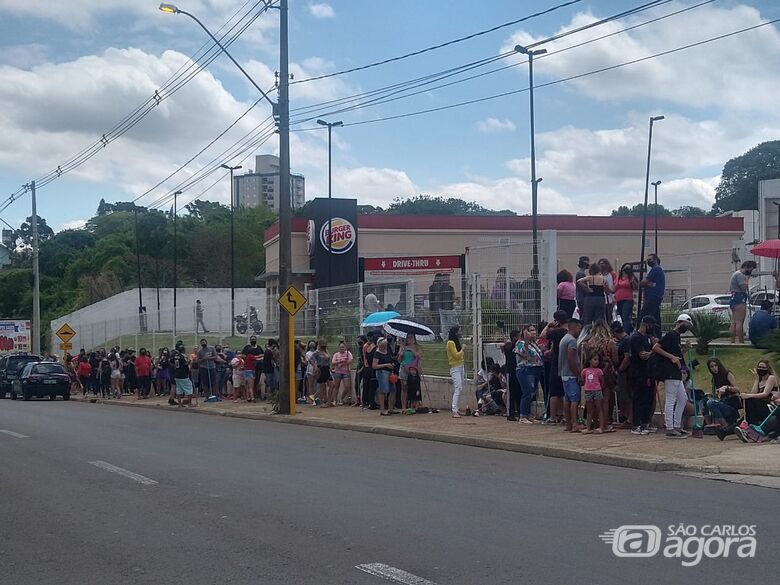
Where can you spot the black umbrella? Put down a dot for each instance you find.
(402, 328)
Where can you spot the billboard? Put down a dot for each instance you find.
(15, 337)
(333, 256)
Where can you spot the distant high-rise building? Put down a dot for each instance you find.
(261, 187)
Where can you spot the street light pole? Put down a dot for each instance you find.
(653, 120)
(232, 252)
(655, 186)
(175, 254)
(36, 320)
(534, 183)
(138, 266)
(330, 126)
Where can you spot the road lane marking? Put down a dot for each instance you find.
(393, 574)
(13, 434)
(123, 472)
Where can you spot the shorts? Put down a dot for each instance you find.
(238, 379)
(324, 376)
(183, 386)
(737, 298)
(341, 376)
(556, 386)
(116, 375)
(163, 374)
(623, 391)
(403, 373)
(270, 380)
(571, 389)
(593, 396)
(383, 382)
(249, 375)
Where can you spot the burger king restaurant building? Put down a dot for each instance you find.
(375, 249)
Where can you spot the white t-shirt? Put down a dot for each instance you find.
(309, 364)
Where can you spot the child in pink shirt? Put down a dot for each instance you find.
(593, 380)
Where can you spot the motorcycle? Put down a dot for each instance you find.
(252, 320)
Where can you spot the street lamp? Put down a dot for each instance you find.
(653, 120)
(655, 186)
(232, 253)
(534, 183)
(330, 126)
(175, 254)
(281, 113)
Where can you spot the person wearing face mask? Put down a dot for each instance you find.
(143, 371)
(250, 353)
(654, 285)
(162, 377)
(739, 288)
(760, 397)
(670, 348)
(207, 368)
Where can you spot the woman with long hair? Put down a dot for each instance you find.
(595, 301)
(342, 377)
(599, 341)
(760, 397)
(724, 406)
(627, 283)
(456, 360)
(566, 292)
(410, 355)
(610, 279)
(530, 370)
(383, 366)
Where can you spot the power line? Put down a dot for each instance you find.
(440, 45)
(549, 83)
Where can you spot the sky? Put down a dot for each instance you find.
(69, 71)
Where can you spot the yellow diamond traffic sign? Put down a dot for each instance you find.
(292, 300)
(66, 333)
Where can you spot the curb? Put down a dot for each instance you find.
(654, 464)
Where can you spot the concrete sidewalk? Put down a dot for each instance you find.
(621, 448)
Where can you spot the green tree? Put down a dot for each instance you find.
(638, 209)
(24, 233)
(437, 205)
(688, 211)
(738, 187)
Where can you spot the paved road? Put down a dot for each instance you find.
(249, 502)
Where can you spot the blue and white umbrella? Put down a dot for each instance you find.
(401, 328)
(378, 319)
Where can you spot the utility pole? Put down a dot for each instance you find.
(285, 247)
(232, 252)
(175, 254)
(653, 120)
(36, 320)
(138, 265)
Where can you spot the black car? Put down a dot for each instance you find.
(10, 367)
(39, 379)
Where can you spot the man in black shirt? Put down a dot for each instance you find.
(640, 385)
(623, 342)
(513, 408)
(180, 367)
(270, 357)
(553, 333)
(670, 349)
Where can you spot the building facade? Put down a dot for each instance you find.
(261, 186)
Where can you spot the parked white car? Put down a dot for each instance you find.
(718, 304)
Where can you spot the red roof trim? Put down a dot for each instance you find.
(503, 223)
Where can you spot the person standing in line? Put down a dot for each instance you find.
(410, 353)
(342, 376)
(199, 318)
(143, 370)
(583, 264)
(221, 364)
(115, 374)
(627, 283)
(566, 292)
(270, 358)
(641, 386)
(250, 353)
(554, 332)
(654, 285)
(593, 384)
(514, 392)
(369, 376)
(595, 289)
(670, 348)
(739, 287)
(321, 360)
(360, 364)
(530, 370)
(383, 364)
(456, 360)
(569, 371)
(162, 375)
(624, 401)
(311, 375)
(180, 364)
(371, 303)
(610, 280)
(599, 341)
(84, 372)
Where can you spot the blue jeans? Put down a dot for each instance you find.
(221, 380)
(722, 411)
(208, 381)
(529, 377)
(626, 310)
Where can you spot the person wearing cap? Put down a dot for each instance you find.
(670, 348)
(641, 386)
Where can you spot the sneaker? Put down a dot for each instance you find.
(511, 418)
(645, 432)
(683, 432)
(637, 431)
(675, 435)
(740, 432)
(526, 421)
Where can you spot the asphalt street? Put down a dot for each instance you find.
(100, 494)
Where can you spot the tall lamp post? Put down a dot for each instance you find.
(232, 252)
(330, 126)
(175, 259)
(138, 267)
(281, 112)
(534, 183)
(653, 120)
(655, 186)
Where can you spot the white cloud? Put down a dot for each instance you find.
(725, 74)
(322, 10)
(75, 224)
(494, 125)
(373, 186)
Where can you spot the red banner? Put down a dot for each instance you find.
(411, 264)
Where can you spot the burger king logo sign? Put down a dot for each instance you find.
(343, 235)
